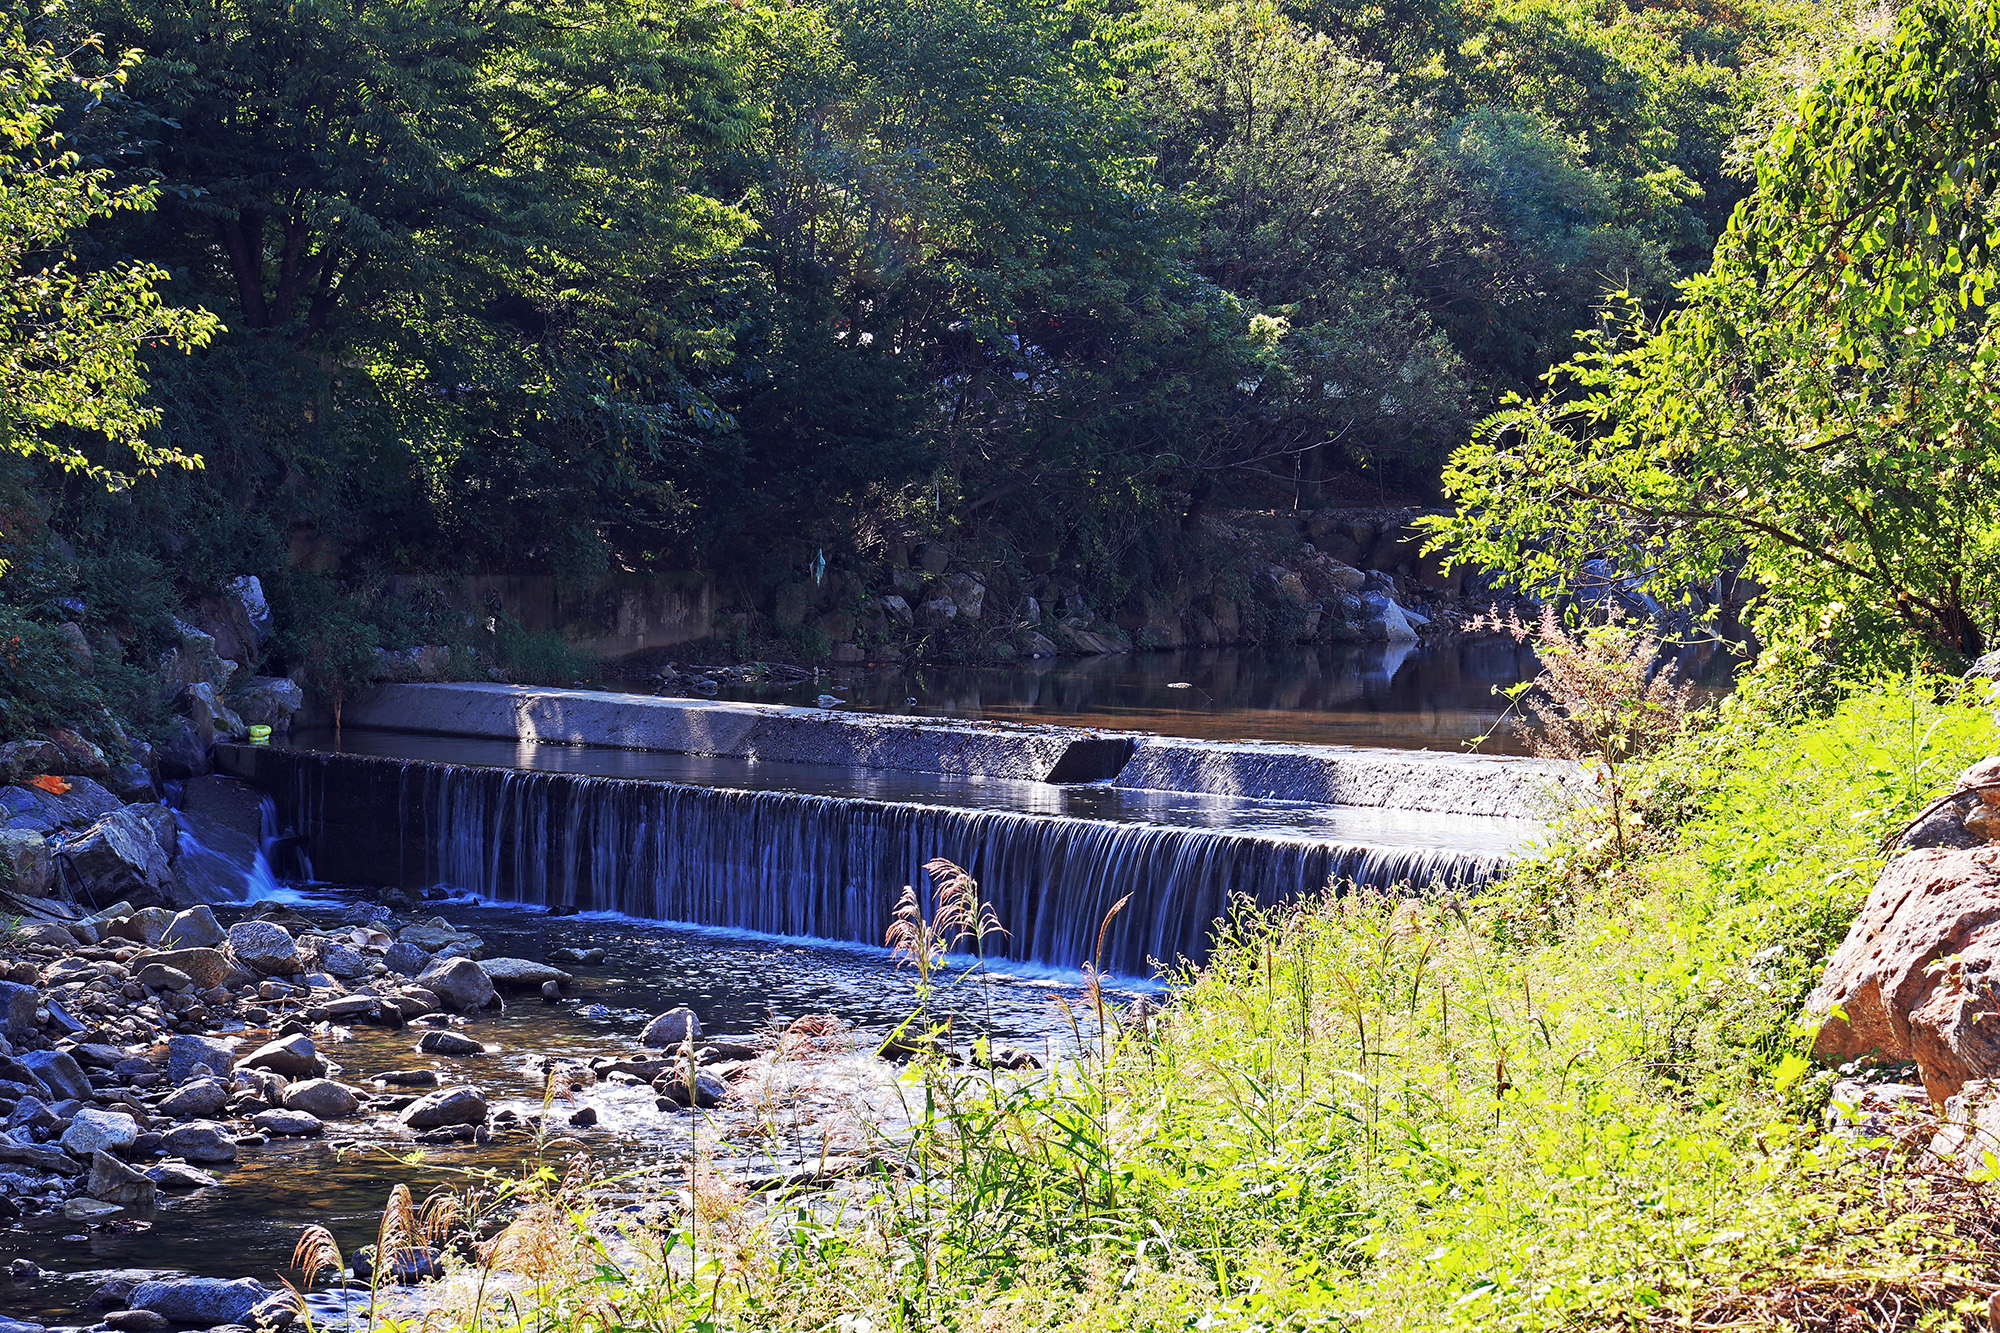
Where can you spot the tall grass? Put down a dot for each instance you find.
(1581, 1101)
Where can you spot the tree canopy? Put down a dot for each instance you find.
(71, 335)
(580, 287)
(1820, 411)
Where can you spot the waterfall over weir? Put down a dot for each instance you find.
(790, 862)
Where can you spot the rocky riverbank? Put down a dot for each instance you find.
(155, 1056)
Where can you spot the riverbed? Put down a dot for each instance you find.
(741, 986)
(1439, 697)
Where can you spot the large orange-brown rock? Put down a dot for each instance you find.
(1918, 976)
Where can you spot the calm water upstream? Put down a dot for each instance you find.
(1441, 696)
(1405, 696)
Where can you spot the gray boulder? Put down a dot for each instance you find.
(321, 1097)
(289, 1124)
(213, 719)
(45, 932)
(521, 972)
(27, 867)
(343, 960)
(186, 1051)
(41, 1156)
(294, 1057)
(91, 1130)
(239, 618)
(30, 810)
(31, 1112)
(671, 1029)
(449, 1043)
(447, 1106)
(166, 827)
(350, 1008)
(266, 947)
(145, 925)
(119, 858)
(84, 1209)
(405, 959)
(1387, 621)
(196, 928)
(412, 1078)
(184, 754)
(193, 658)
(17, 1010)
(437, 933)
(708, 1090)
(59, 1073)
(87, 801)
(201, 1141)
(22, 760)
(195, 1101)
(270, 700)
(180, 1176)
(459, 983)
(158, 976)
(202, 1301)
(114, 1182)
(208, 967)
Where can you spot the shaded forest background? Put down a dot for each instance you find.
(584, 286)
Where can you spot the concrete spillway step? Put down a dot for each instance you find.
(771, 733)
(796, 849)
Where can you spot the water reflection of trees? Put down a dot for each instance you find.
(1386, 694)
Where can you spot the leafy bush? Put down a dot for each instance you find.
(1817, 413)
(540, 657)
(42, 687)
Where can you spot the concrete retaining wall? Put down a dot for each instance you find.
(622, 614)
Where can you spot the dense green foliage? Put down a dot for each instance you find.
(1820, 411)
(603, 285)
(70, 335)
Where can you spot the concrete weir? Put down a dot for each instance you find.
(1458, 784)
(767, 732)
(1424, 780)
(795, 821)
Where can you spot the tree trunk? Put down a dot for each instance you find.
(243, 241)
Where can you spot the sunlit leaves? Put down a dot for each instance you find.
(1787, 421)
(71, 337)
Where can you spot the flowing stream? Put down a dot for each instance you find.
(758, 892)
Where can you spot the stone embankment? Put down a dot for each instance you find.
(1914, 989)
(85, 816)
